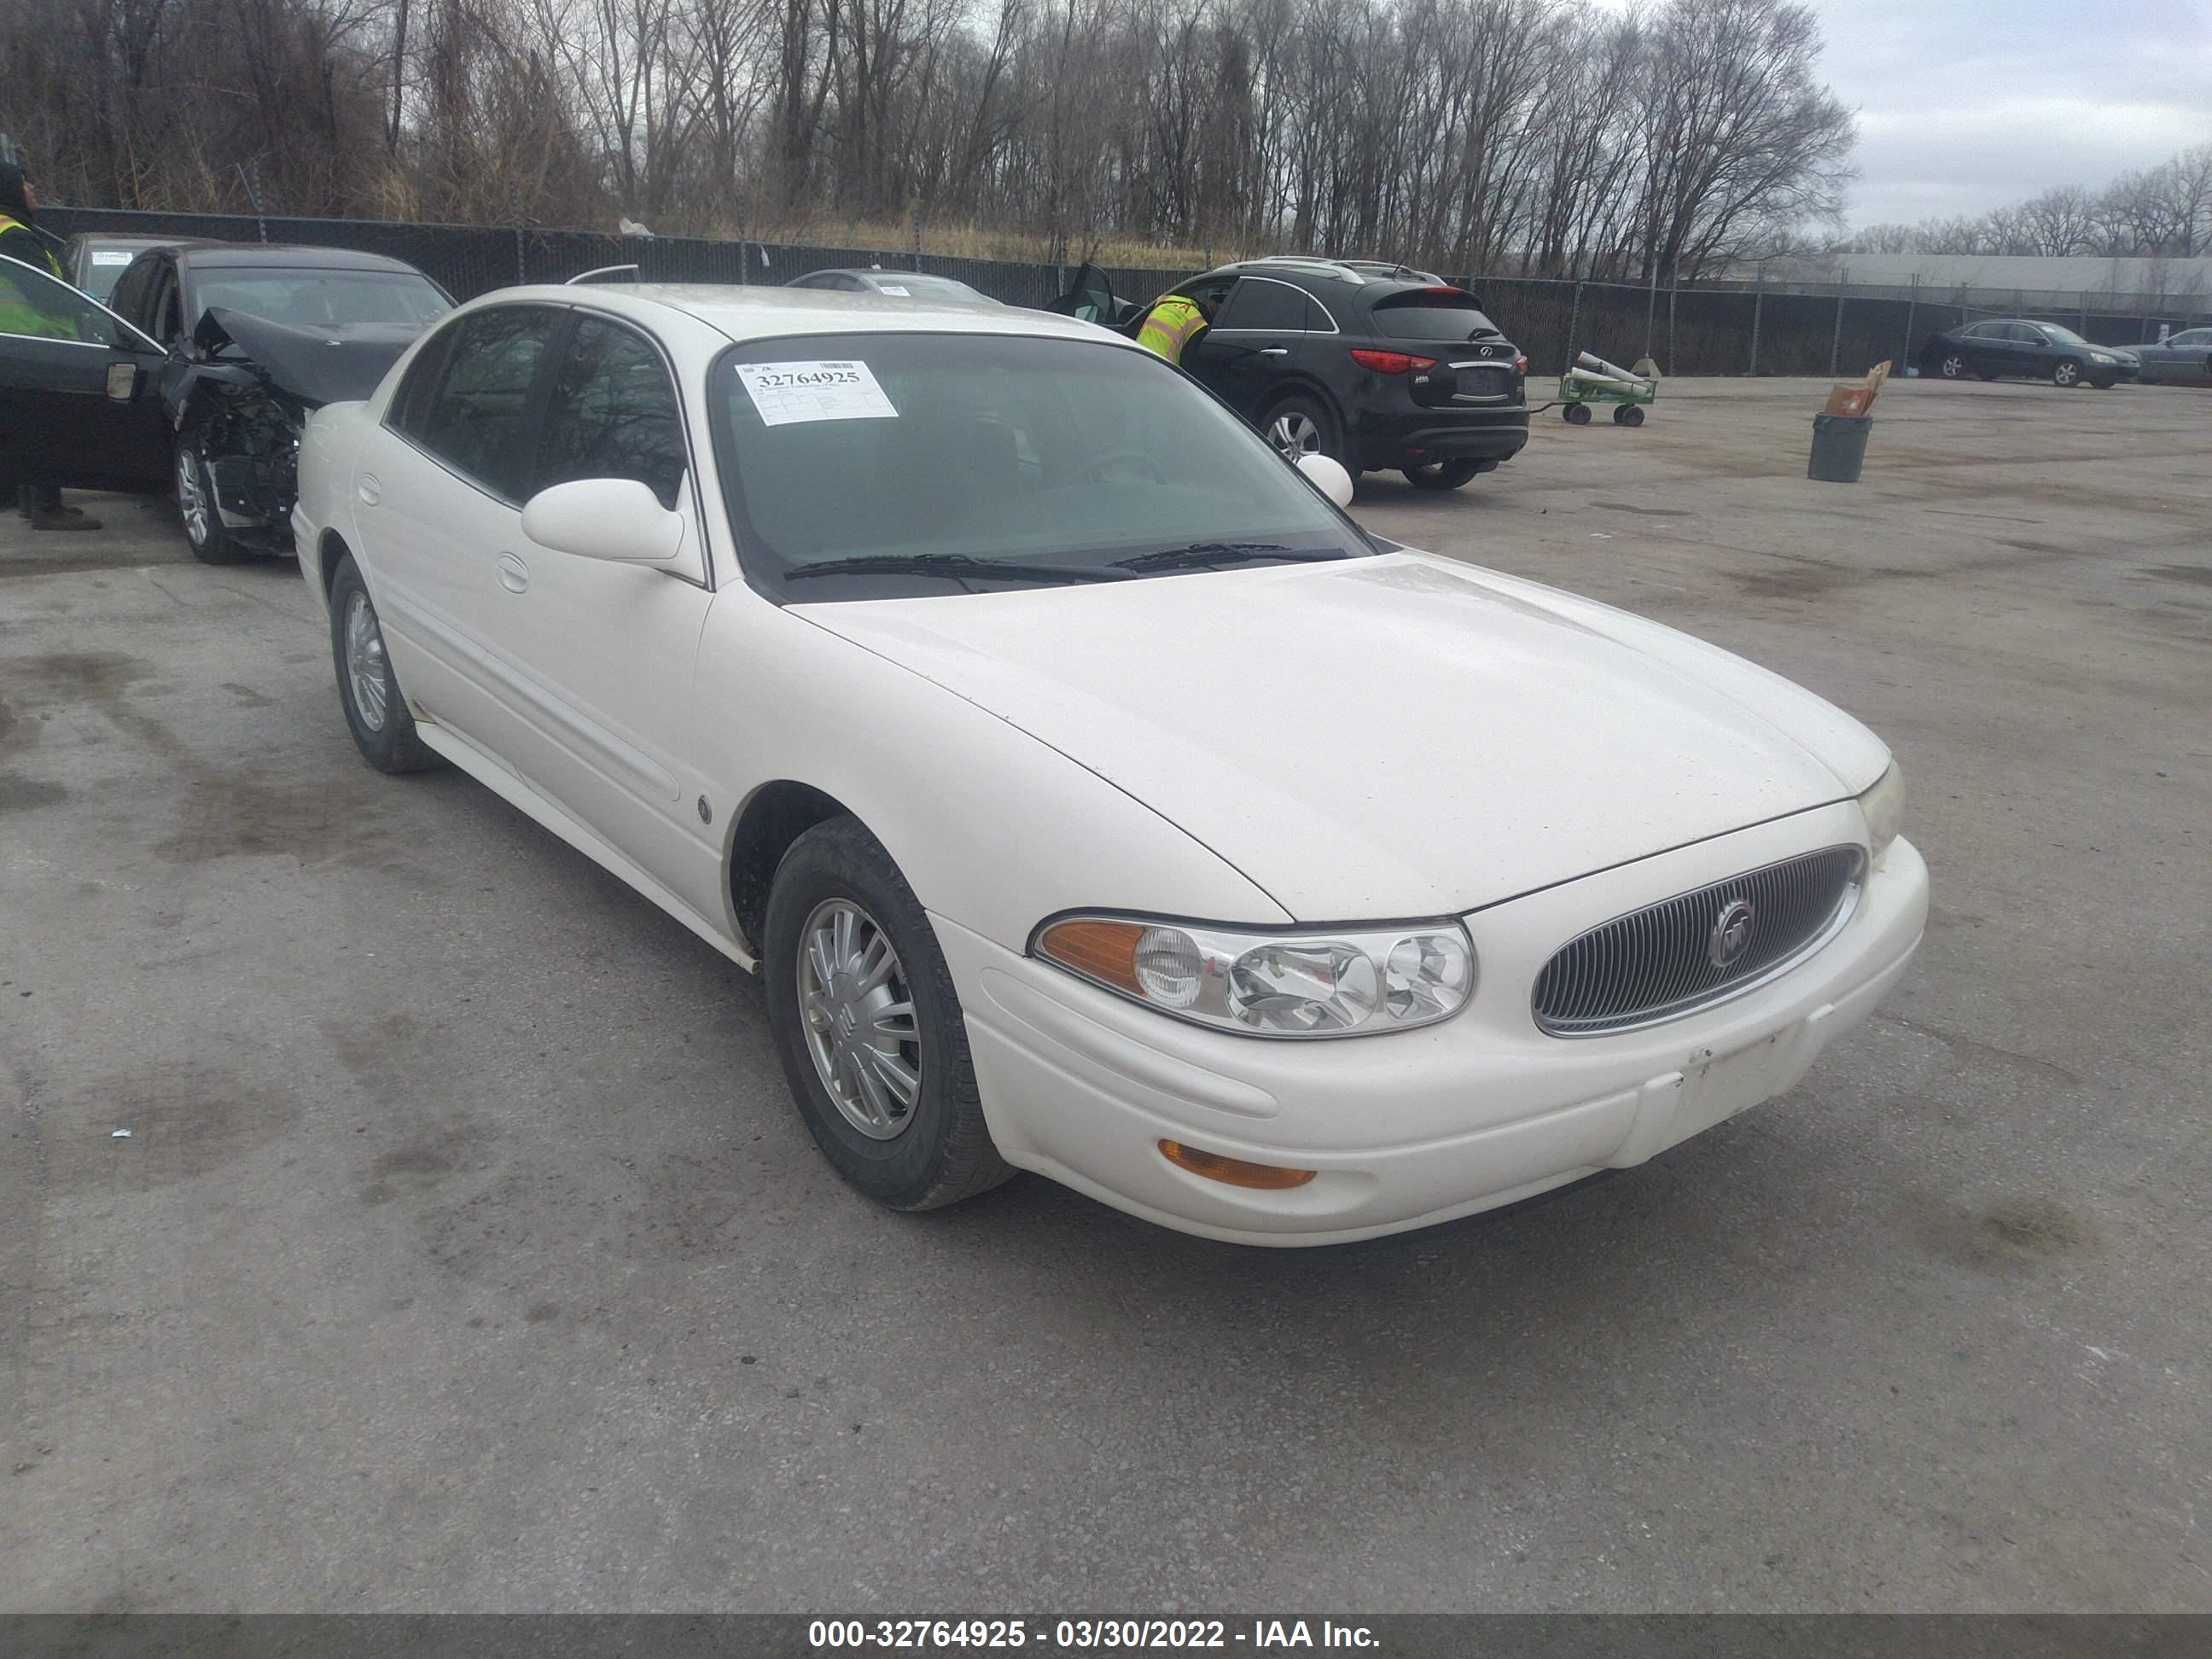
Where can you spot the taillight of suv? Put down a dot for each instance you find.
(1391, 362)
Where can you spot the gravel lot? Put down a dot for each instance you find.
(466, 1252)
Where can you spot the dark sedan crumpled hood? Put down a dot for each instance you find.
(334, 364)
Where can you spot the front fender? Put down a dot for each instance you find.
(991, 828)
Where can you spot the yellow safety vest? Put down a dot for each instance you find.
(1170, 326)
(17, 316)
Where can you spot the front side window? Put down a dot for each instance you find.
(612, 414)
(323, 299)
(1062, 456)
(474, 421)
(1258, 303)
(36, 305)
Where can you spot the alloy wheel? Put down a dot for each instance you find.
(1953, 367)
(367, 672)
(860, 1027)
(1294, 435)
(192, 502)
(2067, 374)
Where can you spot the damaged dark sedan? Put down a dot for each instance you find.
(257, 336)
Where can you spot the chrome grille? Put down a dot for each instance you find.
(1663, 962)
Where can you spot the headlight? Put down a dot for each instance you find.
(2102, 357)
(1328, 982)
(1884, 807)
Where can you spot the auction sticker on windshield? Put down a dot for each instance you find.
(785, 393)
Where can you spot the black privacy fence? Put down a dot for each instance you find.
(1689, 330)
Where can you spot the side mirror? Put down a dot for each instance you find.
(615, 518)
(1328, 476)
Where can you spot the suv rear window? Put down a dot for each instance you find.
(1426, 314)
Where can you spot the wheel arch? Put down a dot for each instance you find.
(775, 814)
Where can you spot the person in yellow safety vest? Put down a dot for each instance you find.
(38, 500)
(1171, 325)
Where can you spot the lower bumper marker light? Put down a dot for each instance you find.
(1233, 1171)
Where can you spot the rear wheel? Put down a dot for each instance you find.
(1441, 475)
(868, 1025)
(377, 715)
(2066, 372)
(1627, 414)
(1952, 366)
(1301, 425)
(196, 503)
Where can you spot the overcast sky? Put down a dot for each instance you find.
(1966, 104)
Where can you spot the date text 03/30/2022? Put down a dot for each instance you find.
(1086, 1635)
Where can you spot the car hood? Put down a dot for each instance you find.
(338, 364)
(1386, 737)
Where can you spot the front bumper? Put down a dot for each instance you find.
(1415, 1127)
(1384, 441)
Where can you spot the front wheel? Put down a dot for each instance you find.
(868, 1025)
(1441, 475)
(377, 715)
(2066, 372)
(196, 503)
(1575, 414)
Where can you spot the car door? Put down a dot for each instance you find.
(77, 404)
(437, 491)
(1257, 339)
(597, 656)
(2032, 351)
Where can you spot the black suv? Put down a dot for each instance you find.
(1379, 365)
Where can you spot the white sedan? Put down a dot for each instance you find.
(1096, 798)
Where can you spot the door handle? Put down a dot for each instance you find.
(368, 488)
(513, 574)
(1274, 351)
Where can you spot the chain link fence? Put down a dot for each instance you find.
(1687, 330)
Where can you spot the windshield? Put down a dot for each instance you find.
(1061, 455)
(315, 299)
(103, 267)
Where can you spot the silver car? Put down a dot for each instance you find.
(2184, 358)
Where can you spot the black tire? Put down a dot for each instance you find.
(2104, 385)
(196, 502)
(1318, 433)
(1627, 414)
(1441, 475)
(940, 1152)
(1986, 374)
(2066, 374)
(1951, 366)
(390, 742)
(1576, 415)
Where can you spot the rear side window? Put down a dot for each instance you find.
(612, 414)
(1260, 302)
(474, 421)
(1431, 314)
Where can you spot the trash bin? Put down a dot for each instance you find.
(1839, 447)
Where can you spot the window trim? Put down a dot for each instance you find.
(128, 326)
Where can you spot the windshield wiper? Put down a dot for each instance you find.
(1199, 556)
(954, 566)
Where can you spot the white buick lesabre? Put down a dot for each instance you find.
(1096, 798)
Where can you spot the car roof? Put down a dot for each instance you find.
(865, 273)
(743, 313)
(283, 256)
(117, 239)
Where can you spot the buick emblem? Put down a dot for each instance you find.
(1731, 934)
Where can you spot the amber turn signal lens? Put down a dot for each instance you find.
(1107, 950)
(1233, 1171)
